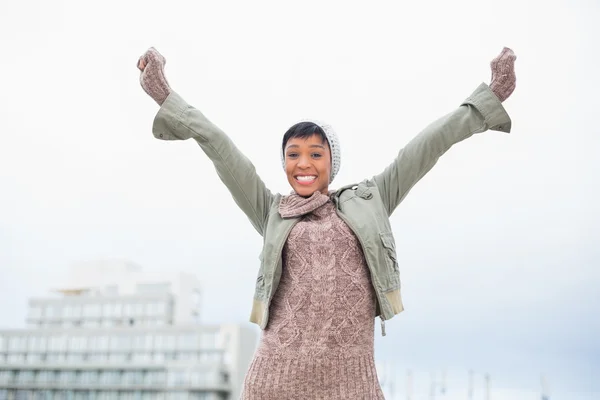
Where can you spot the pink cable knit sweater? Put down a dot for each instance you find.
(319, 340)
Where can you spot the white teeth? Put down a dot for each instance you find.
(306, 178)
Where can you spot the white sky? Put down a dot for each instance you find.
(498, 245)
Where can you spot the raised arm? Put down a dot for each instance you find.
(479, 112)
(177, 120)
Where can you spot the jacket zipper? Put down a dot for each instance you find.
(368, 265)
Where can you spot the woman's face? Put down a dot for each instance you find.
(308, 165)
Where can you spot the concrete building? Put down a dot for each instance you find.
(115, 332)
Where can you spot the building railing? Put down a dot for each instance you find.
(204, 387)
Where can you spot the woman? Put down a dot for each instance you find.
(328, 263)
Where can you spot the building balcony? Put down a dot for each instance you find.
(214, 387)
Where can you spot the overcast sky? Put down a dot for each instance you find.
(498, 244)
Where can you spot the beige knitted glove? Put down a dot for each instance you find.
(152, 78)
(504, 79)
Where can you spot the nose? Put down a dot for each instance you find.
(304, 161)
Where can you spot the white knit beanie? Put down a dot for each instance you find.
(334, 146)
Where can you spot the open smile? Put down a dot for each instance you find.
(305, 179)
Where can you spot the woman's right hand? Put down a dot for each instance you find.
(152, 77)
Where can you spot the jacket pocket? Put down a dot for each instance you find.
(389, 245)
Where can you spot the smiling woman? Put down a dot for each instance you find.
(328, 265)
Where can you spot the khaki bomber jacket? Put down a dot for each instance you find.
(365, 207)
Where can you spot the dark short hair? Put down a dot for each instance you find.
(303, 130)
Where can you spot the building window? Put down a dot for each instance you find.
(102, 342)
(108, 395)
(44, 377)
(37, 343)
(66, 377)
(120, 342)
(72, 311)
(96, 357)
(109, 377)
(210, 356)
(151, 308)
(52, 358)
(188, 341)
(42, 395)
(35, 311)
(200, 396)
(141, 357)
(154, 378)
(132, 377)
(78, 343)
(117, 357)
(208, 340)
(17, 343)
(137, 342)
(155, 309)
(57, 343)
(92, 310)
(33, 358)
(160, 342)
(118, 310)
(148, 339)
(91, 323)
(112, 310)
(72, 324)
(177, 378)
(87, 377)
(128, 310)
(111, 290)
(52, 311)
(82, 395)
(171, 341)
(24, 377)
(5, 377)
(60, 395)
(75, 358)
(196, 299)
(107, 310)
(15, 358)
(126, 395)
(177, 396)
(22, 395)
(139, 309)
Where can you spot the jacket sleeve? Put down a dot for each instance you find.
(177, 120)
(479, 112)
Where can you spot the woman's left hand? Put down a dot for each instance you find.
(504, 79)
